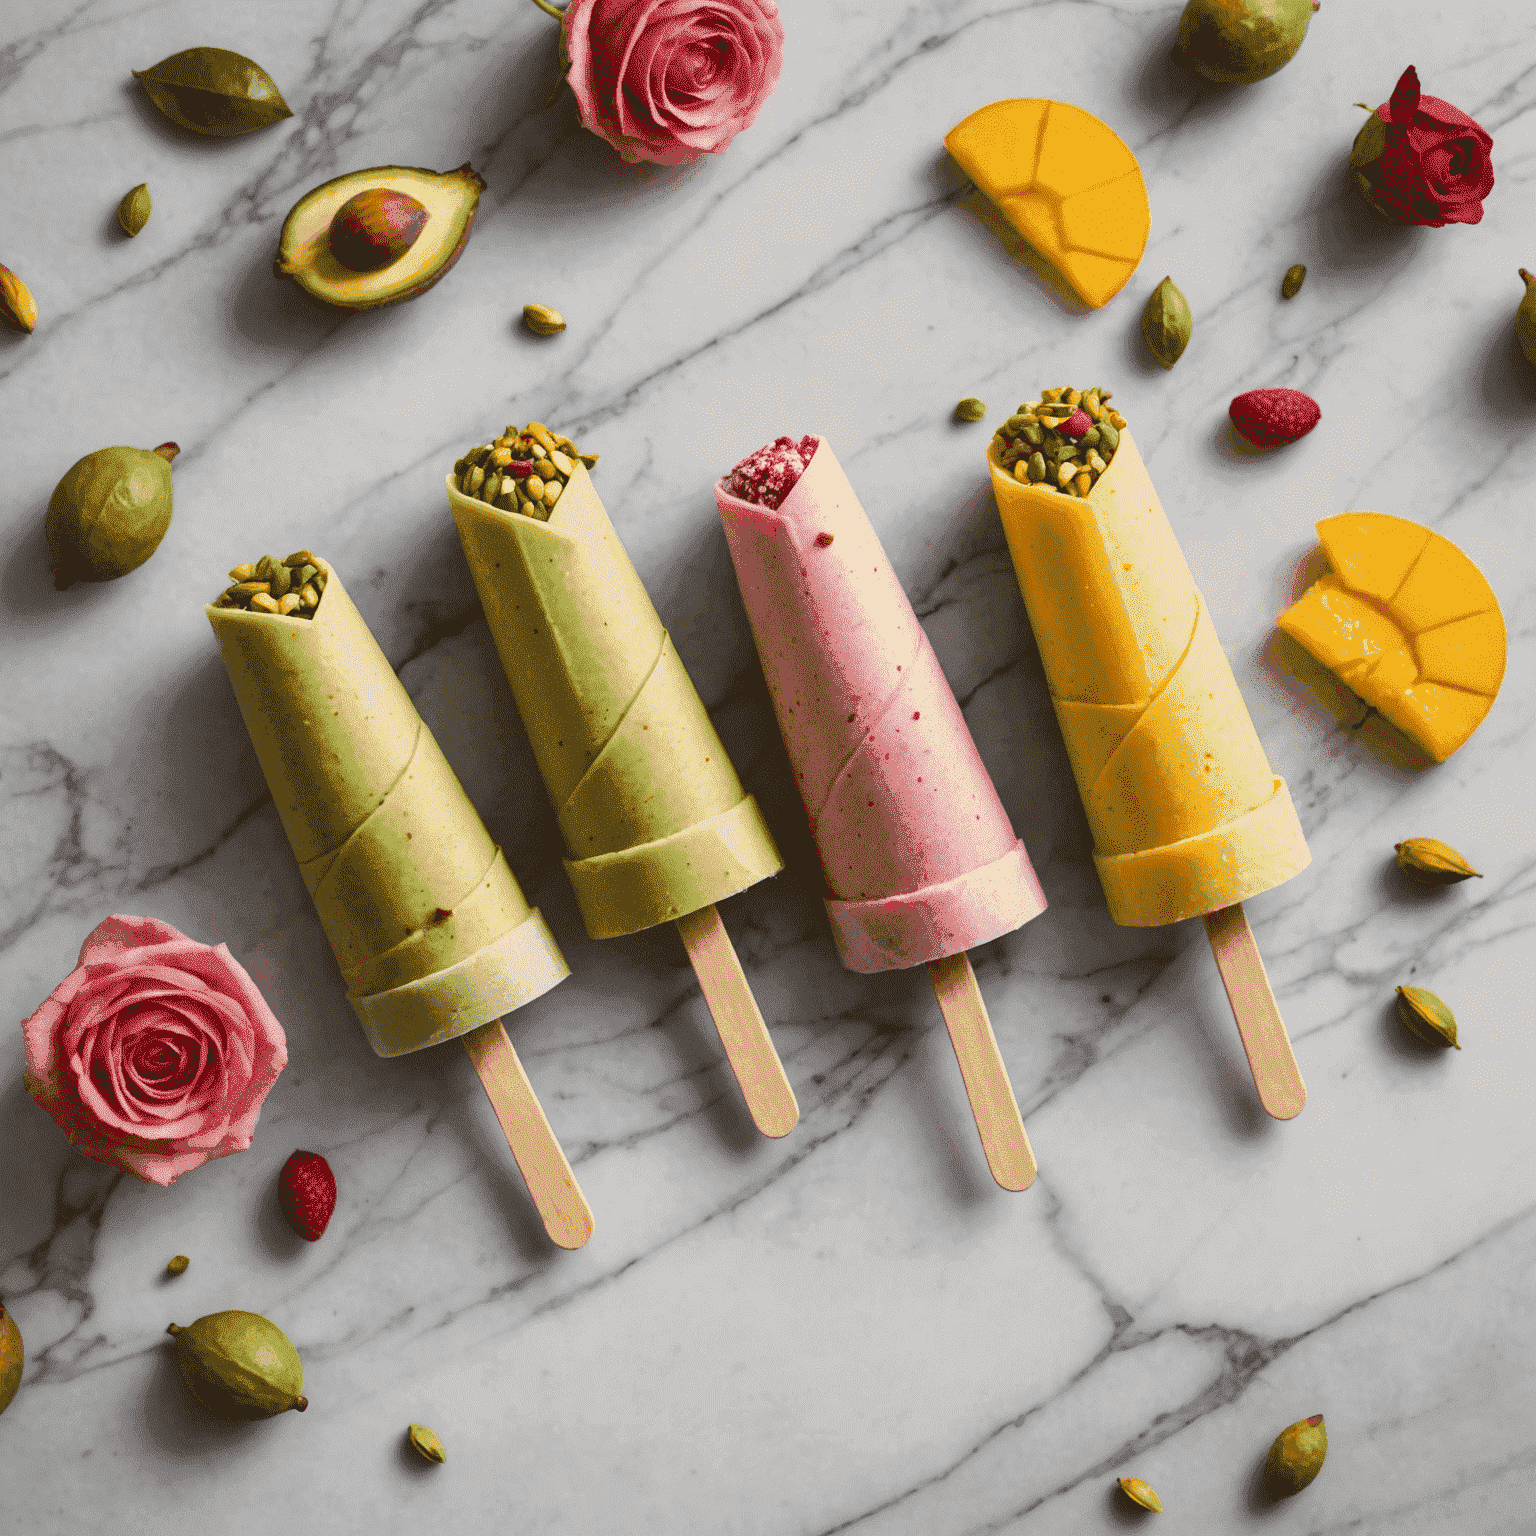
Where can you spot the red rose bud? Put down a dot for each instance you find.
(1419, 160)
(1076, 424)
(1271, 418)
(307, 1193)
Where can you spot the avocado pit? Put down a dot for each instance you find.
(378, 236)
(375, 229)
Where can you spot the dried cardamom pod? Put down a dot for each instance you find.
(1294, 278)
(971, 409)
(1296, 1457)
(1141, 1493)
(1167, 323)
(214, 91)
(18, 309)
(426, 1444)
(1433, 862)
(134, 210)
(542, 320)
(12, 1358)
(1426, 1017)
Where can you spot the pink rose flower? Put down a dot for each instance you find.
(670, 80)
(155, 1053)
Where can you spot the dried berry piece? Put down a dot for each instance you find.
(1271, 418)
(307, 1193)
(766, 477)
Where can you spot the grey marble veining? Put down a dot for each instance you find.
(851, 1330)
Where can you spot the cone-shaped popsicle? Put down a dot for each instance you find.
(656, 823)
(1188, 818)
(918, 854)
(920, 860)
(1186, 814)
(429, 927)
(428, 924)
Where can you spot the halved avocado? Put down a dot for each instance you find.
(304, 250)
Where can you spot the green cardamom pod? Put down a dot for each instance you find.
(1167, 323)
(970, 409)
(1142, 1493)
(1426, 1017)
(214, 91)
(426, 1444)
(134, 210)
(1433, 862)
(1294, 278)
(178, 1265)
(1296, 1457)
(12, 1358)
(542, 320)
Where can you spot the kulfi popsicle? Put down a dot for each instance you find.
(656, 823)
(920, 860)
(1188, 819)
(430, 929)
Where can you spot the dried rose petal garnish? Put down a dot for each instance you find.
(766, 477)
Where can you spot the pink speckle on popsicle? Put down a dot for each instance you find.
(766, 477)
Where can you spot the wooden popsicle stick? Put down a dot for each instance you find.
(1003, 1137)
(567, 1216)
(1270, 1057)
(748, 1045)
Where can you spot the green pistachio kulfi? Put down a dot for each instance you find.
(656, 822)
(428, 924)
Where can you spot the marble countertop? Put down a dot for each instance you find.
(852, 1329)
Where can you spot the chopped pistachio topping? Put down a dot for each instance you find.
(1039, 445)
(521, 471)
(291, 587)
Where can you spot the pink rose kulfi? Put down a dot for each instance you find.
(919, 857)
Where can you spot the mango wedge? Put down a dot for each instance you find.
(1067, 182)
(1408, 622)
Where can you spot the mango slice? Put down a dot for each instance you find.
(1067, 183)
(1408, 622)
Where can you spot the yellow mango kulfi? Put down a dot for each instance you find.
(1187, 815)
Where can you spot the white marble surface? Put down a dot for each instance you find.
(851, 1329)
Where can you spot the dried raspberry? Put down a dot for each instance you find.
(1076, 424)
(823, 540)
(766, 477)
(1271, 418)
(307, 1193)
(519, 469)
